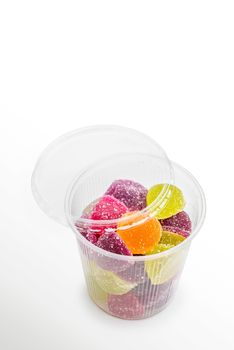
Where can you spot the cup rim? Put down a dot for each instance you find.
(147, 209)
(101, 251)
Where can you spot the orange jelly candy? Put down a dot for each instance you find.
(141, 233)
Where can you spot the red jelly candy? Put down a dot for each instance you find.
(125, 306)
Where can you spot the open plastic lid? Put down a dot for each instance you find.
(69, 155)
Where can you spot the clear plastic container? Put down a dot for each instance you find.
(132, 287)
(76, 169)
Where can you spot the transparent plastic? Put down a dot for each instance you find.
(73, 152)
(131, 287)
(76, 169)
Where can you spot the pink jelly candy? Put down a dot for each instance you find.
(125, 306)
(181, 221)
(111, 242)
(129, 192)
(107, 208)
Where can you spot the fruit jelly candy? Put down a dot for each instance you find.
(111, 242)
(171, 238)
(173, 202)
(134, 273)
(180, 220)
(125, 306)
(161, 269)
(140, 233)
(155, 296)
(92, 237)
(129, 192)
(107, 208)
(111, 283)
(98, 295)
(160, 247)
(176, 230)
(86, 231)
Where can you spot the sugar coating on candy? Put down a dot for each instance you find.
(172, 204)
(111, 242)
(176, 230)
(87, 232)
(98, 295)
(161, 247)
(125, 306)
(134, 273)
(171, 238)
(141, 233)
(129, 192)
(155, 296)
(181, 221)
(111, 283)
(161, 269)
(108, 208)
(92, 237)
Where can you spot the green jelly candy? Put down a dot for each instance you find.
(172, 204)
(98, 295)
(161, 247)
(111, 283)
(160, 270)
(171, 238)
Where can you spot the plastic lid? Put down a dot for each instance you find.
(69, 155)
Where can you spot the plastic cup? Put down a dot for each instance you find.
(76, 169)
(130, 287)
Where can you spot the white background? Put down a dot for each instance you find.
(163, 67)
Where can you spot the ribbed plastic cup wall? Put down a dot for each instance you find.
(77, 169)
(134, 287)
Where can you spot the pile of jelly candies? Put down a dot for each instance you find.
(125, 288)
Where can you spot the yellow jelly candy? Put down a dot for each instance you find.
(111, 283)
(172, 204)
(98, 295)
(161, 269)
(161, 247)
(171, 238)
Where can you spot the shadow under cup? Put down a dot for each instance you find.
(131, 287)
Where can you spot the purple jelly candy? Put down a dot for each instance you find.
(86, 232)
(126, 306)
(129, 192)
(180, 220)
(134, 273)
(92, 237)
(155, 296)
(111, 242)
(176, 230)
